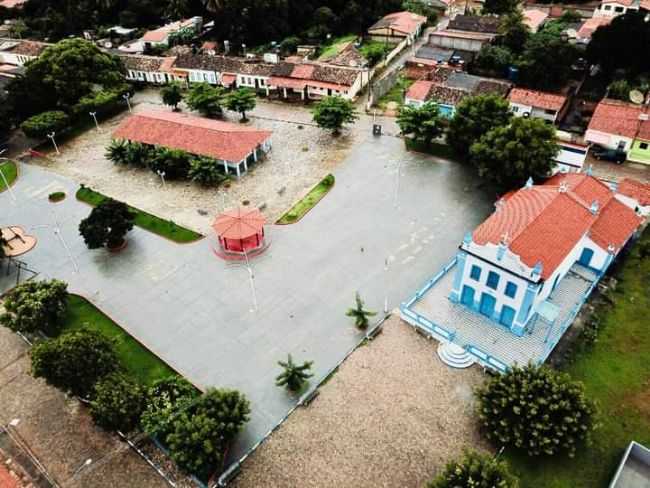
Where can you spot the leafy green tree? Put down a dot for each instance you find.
(107, 224)
(474, 117)
(424, 123)
(242, 101)
(500, 7)
(493, 59)
(203, 431)
(36, 305)
(294, 375)
(166, 398)
(421, 8)
(182, 37)
(475, 470)
(511, 154)
(172, 95)
(359, 313)
(175, 163)
(619, 89)
(177, 9)
(206, 99)
(546, 61)
(75, 361)
(117, 151)
(117, 403)
(375, 52)
(206, 171)
(102, 102)
(536, 410)
(513, 32)
(39, 126)
(289, 45)
(333, 112)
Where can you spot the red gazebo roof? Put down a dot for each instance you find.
(239, 223)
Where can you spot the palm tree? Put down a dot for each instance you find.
(359, 313)
(294, 376)
(117, 152)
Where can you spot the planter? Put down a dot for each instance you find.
(118, 248)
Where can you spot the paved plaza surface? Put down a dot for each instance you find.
(375, 232)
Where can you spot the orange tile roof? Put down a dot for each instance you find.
(616, 117)
(543, 223)
(533, 18)
(635, 189)
(540, 99)
(196, 135)
(405, 22)
(419, 90)
(590, 25)
(12, 3)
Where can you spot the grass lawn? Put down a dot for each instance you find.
(616, 373)
(10, 172)
(138, 361)
(299, 210)
(144, 220)
(395, 94)
(335, 47)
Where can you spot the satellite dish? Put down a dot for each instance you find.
(636, 97)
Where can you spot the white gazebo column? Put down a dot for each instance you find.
(267, 90)
(246, 165)
(284, 90)
(238, 170)
(255, 155)
(225, 166)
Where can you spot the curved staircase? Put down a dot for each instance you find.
(454, 355)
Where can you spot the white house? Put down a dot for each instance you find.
(537, 104)
(316, 80)
(508, 268)
(634, 194)
(149, 69)
(612, 8)
(17, 51)
(614, 124)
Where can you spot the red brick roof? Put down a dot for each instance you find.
(543, 223)
(12, 3)
(405, 22)
(533, 18)
(616, 117)
(196, 135)
(635, 189)
(534, 98)
(590, 25)
(419, 90)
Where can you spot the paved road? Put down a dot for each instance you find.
(194, 311)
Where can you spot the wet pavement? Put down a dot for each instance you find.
(376, 232)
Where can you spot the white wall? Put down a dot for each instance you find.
(519, 110)
(633, 204)
(473, 45)
(202, 76)
(612, 9)
(14, 59)
(248, 81)
(608, 140)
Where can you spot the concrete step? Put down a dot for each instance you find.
(455, 356)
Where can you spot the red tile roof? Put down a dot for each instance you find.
(590, 25)
(405, 22)
(534, 98)
(419, 90)
(543, 223)
(196, 135)
(12, 3)
(533, 18)
(635, 189)
(616, 117)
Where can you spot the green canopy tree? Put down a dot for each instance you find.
(294, 375)
(117, 403)
(36, 306)
(359, 313)
(493, 59)
(107, 224)
(333, 112)
(166, 398)
(423, 123)
(206, 99)
(75, 361)
(39, 126)
(172, 95)
(513, 32)
(500, 7)
(474, 117)
(509, 155)
(242, 101)
(475, 470)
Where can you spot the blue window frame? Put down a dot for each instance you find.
(475, 273)
(493, 280)
(511, 289)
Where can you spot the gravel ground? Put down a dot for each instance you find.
(300, 158)
(392, 416)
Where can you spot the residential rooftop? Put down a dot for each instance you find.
(475, 23)
(404, 22)
(535, 98)
(620, 118)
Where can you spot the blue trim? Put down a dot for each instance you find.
(475, 273)
(511, 289)
(493, 280)
(460, 260)
(527, 304)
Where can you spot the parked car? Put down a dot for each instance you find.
(614, 155)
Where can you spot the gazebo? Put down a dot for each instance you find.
(240, 230)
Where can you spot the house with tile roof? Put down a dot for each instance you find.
(589, 26)
(149, 69)
(18, 51)
(232, 145)
(634, 194)
(520, 278)
(398, 27)
(550, 107)
(160, 37)
(613, 8)
(534, 18)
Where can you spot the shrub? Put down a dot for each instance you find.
(138, 154)
(475, 470)
(537, 410)
(206, 171)
(44, 123)
(202, 432)
(107, 224)
(173, 162)
(166, 398)
(103, 102)
(118, 151)
(359, 314)
(56, 196)
(620, 90)
(75, 361)
(294, 376)
(289, 45)
(118, 402)
(36, 305)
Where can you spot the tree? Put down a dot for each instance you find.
(107, 225)
(182, 37)
(294, 376)
(421, 8)
(511, 154)
(493, 59)
(177, 9)
(175, 163)
(423, 123)
(500, 7)
(536, 410)
(117, 403)
(39, 126)
(202, 432)
(206, 171)
(359, 314)
(172, 95)
(475, 470)
(546, 61)
(75, 361)
(36, 305)
(206, 99)
(333, 112)
(166, 398)
(139, 155)
(474, 117)
(513, 32)
(242, 101)
(619, 90)
(117, 151)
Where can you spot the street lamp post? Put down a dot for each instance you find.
(162, 177)
(4, 178)
(127, 97)
(94, 116)
(51, 136)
